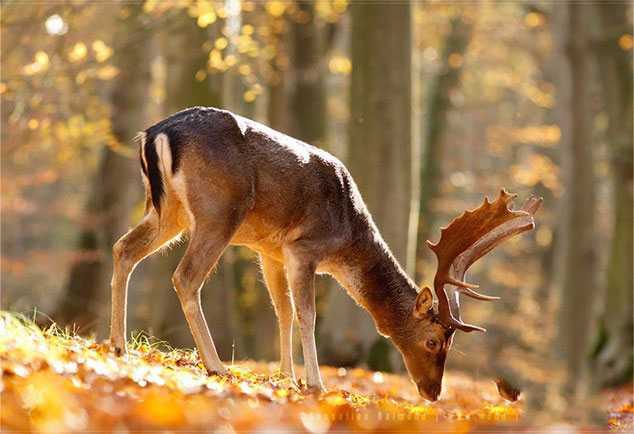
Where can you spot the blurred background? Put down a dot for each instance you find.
(430, 104)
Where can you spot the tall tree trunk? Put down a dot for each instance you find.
(613, 356)
(436, 110)
(577, 258)
(308, 102)
(380, 149)
(277, 108)
(111, 198)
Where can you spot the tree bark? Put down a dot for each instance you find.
(380, 149)
(111, 198)
(577, 243)
(438, 104)
(308, 101)
(613, 355)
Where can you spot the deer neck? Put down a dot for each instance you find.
(374, 278)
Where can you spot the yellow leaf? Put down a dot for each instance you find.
(340, 65)
(102, 51)
(107, 72)
(221, 43)
(33, 124)
(42, 58)
(231, 60)
(275, 7)
(244, 69)
(78, 52)
(534, 19)
(200, 75)
(626, 42)
(206, 19)
(249, 96)
(149, 5)
(40, 64)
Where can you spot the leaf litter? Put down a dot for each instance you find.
(54, 381)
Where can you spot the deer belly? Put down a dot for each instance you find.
(251, 235)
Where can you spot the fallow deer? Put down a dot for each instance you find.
(224, 179)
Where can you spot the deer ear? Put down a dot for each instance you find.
(424, 302)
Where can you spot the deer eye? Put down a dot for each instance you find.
(431, 344)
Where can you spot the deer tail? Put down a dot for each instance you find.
(156, 163)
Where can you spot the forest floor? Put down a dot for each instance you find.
(57, 382)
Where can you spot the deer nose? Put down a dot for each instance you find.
(428, 391)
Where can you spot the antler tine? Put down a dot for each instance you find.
(532, 204)
(468, 238)
(471, 293)
(460, 283)
(468, 289)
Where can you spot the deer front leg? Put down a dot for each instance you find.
(204, 249)
(301, 277)
(127, 252)
(282, 302)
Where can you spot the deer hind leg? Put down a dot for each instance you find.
(278, 288)
(141, 241)
(214, 221)
(301, 278)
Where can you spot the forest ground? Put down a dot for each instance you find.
(53, 381)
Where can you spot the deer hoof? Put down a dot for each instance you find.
(118, 349)
(218, 372)
(314, 390)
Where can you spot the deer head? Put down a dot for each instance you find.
(466, 239)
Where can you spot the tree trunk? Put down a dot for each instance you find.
(437, 108)
(379, 155)
(308, 102)
(111, 198)
(277, 109)
(613, 355)
(577, 258)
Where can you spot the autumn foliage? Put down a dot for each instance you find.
(59, 382)
(54, 381)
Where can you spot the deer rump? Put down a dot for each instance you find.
(163, 142)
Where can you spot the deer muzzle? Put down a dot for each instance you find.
(429, 391)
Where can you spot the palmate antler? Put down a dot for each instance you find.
(467, 239)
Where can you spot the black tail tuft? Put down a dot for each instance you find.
(153, 171)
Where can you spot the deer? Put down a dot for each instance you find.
(223, 180)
